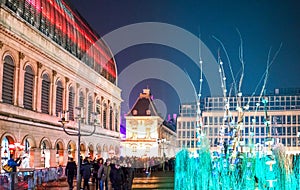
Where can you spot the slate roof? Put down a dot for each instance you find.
(144, 105)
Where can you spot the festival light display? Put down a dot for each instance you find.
(267, 167)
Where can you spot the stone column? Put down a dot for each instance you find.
(53, 160)
(38, 88)
(35, 158)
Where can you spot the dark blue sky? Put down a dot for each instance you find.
(262, 24)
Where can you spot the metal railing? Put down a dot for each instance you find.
(30, 178)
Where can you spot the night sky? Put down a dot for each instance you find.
(263, 25)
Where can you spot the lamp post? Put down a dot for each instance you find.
(80, 117)
(163, 141)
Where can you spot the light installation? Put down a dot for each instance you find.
(265, 167)
(57, 20)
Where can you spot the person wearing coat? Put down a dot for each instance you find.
(86, 173)
(117, 177)
(101, 175)
(70, 172)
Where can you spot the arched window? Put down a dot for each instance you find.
(90, 109)
(116, 121)
(110, 118)
(71, 103)
(104, 116)
(8, 80)
(59, 97)
(28, 88)
(45, 94)
(81, 100)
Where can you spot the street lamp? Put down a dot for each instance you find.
(163, 141)
(80, 117)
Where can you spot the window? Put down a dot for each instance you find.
(71, 103)
(28, 88)
(134, 148)
(262, 131)
(288, 130)
(81, 99)
(110, 118)
(116, 121)
(59, 97)
(148, 112)
(90, 110)
(104, 116)
(8, 80)
(45, 94)
(134, 112)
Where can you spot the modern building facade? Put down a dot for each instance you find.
(52, 62)
(147, 135)
(283, 112)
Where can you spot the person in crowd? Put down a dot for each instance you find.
(130, 175)
(25, 164)
(70, 172)
(116, 176)
(59, 171)
(101, 174)
(86, 173)
(13, 163)
(107, 170)
(95, 173)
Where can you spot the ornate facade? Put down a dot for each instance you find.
(147, 135)
(51, 61)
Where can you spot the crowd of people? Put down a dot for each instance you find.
(115, 173)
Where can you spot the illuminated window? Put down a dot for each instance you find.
(148, 112)
(134, 112)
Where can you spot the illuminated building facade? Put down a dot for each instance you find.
(147, 135)
(283, 108)
(52, 61)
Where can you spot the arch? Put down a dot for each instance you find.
(117, 150)
(12, 138)
(71, 147)
(91, 151)
(99, 151)
(9, 59)
(111, 147)
(60, 143)
(29, 64)
(59, 147)
(30, 139)
(45, 146)
(46, 76)
(46, 141)
(105, 148)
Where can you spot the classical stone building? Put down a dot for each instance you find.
(147, 134)
(51, 62)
